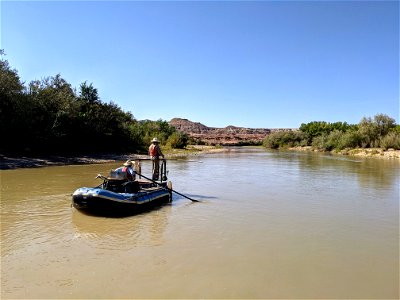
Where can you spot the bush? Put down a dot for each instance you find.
(272, 141)
(320, 142)
(350, 139)
(337, 140)
(178, 140)
(391, 140)
(334, 140)
(281, 139)
(396, 129)
(373, 130)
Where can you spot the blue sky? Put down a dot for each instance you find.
(255, 64)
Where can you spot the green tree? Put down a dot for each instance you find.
(52, 115)
(315, 128)
(10, 83)
(13, 107)
(384, 123)
(88, 93)
(160, 129)
(178, 140)
(373, 129)
(288, 138)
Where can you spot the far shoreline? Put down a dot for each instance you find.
(357, 152)
(19, 162)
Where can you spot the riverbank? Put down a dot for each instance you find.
(10, 162)
(359, 152)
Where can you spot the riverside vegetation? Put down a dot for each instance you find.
(50, 117)
(381, 131)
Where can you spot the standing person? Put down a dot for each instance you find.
(155, 153)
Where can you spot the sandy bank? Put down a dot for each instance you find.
(361, 152)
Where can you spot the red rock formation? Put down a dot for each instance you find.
(230, 135)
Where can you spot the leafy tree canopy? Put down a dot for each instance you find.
(49, 117)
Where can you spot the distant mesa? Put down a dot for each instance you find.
(189, 127)
(228, 136)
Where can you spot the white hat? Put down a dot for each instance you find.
(155, 140)
(128, 163)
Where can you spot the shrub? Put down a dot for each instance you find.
(350, 139)
(337, 140)
(373, 130)
(396, 129)
(391, 140)
(177, 140)
(272, 140)
(320, 142)
(333, 140)
(281, 139)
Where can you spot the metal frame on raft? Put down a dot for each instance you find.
(164, 173)
(163, 168)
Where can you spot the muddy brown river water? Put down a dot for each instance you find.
(272, 225)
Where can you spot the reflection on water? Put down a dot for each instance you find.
(123, 233)
(272, 225)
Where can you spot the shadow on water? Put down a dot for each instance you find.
(107, 213)
(143, 210)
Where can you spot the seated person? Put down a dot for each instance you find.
(122, 180)
(128, 171)
(125, 172)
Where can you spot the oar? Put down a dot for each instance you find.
(194, 200)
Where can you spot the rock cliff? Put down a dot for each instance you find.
(230, 135)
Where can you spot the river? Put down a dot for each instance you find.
(272, 224)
